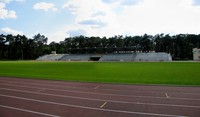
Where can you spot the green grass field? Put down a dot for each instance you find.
(170, 73)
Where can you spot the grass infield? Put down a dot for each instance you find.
(170, 73)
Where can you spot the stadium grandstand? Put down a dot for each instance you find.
(151, 56)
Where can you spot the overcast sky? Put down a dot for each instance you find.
(58, 19)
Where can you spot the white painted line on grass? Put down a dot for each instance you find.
(85, 92)
(103, 100)
(28, 111)
(91, 108)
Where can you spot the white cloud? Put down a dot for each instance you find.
(122, 2)
(20, 0)
(2, 6)
(161, 16)
(57, 36)
(45, 6)
(93, 23)
(67, 31)
(113, 17)
(5, 13)
(135, 16)
(6, 1)
(95, 17)
(89, 11)
(11, 31)
(76, 32)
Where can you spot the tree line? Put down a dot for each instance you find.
(20, 47)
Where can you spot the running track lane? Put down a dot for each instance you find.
(35, 98)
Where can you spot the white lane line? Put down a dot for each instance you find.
(103, 100)
(28, 111)
(96, 87)
(167, 96)
(103, 104)
(41, 90)
(53, 85)
(57, 85)
(85, 92)
(91, 108)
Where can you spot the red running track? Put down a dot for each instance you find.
(44, 98)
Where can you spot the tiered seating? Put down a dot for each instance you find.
(51, 57)
(76, 57)
(117, 57)
(152, 57)
(109, 57)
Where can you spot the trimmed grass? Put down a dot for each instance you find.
(170, 73)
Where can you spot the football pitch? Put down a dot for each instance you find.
(167, 73)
